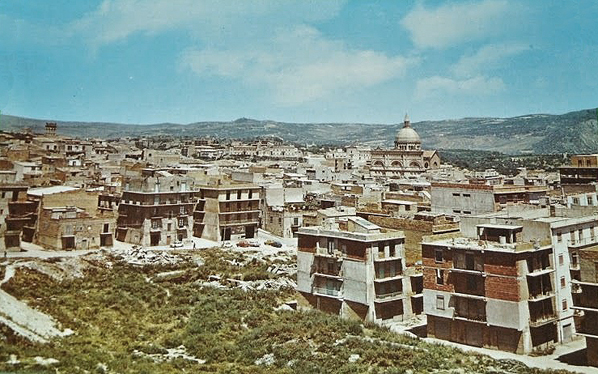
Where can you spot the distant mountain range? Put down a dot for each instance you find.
(575, 132)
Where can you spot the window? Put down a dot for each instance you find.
(559, 237)
(592, 232)
(438, 255)
(471, 283)
(227, 195)
(563, 282)
(181, 222)
(169, 226)
(392, 249)
(456, 211)
(330, 245)
(466, 195)
(271, 219)
(590, 200)
(239, 195)
(580, 234)
(106, 227)
(440, 302)
(439, 276)
(574, 259)
(467, 212)
(182, 211)
(572, 236)
(456, 194)
(564, 304)
(561, 259)
(250, 194)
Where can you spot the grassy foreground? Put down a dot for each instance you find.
(126, 316)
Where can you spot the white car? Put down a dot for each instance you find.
(176, 244)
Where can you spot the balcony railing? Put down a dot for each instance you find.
(381, 257)
(327, 292)
(542, 320)
(477, 317)
(582, 242)
(541, 296)
(390, 296)
(329, 253)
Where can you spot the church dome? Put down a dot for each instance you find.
(407, 134)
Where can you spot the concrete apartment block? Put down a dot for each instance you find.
(227, 210)
(355, 269)
(156, 208)
(505, 283)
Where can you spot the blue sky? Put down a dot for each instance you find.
(182, 61)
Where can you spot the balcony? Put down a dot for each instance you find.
(236, 222)
(328, 292)
(388, 278)
(541, 296)
(328, 253)
(583, 242)
(338, 276)
(543, 320)
(390, 296)
(540, 271)
(381, 257)
(467, 271)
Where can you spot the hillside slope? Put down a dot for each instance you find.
(575, 132)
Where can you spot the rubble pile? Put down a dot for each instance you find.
(216, 281)
(140, 256)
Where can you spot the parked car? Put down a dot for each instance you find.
(273, 243)
(253, 243)
(176, 244)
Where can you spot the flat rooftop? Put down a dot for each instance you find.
(364, 237)
(487, 245)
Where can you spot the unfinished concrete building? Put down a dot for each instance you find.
(472, 198)
(13, 216)
(226, 210)
(156, 208)
(581, 175)
(584, 273)
(355, 269)
(503, 284)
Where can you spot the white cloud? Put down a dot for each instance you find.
(438, 86)
(299, 66)
(115, 20)
(487, 57)
(455, 23)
